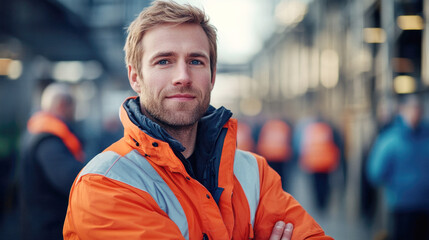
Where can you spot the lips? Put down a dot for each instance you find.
(181, 96)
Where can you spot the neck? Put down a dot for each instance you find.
(186, 136)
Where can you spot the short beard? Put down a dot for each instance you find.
(165, 124)
(170, 124)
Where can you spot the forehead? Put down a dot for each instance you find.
(181, 38)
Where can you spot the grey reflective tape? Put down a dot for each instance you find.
(247, 172)
(134, 170)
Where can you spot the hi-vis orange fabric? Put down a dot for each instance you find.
(43, 122)
(319, 153)
(138, 189)
(274, 142)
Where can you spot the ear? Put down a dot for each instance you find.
(213, 78)
(134, 79)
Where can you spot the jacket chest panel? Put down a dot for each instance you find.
(229, 219)
(202, 212)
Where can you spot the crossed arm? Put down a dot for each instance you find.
(279, 209)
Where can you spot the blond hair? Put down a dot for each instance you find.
(161, 12)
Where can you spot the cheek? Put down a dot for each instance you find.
(152, 87)
(155, 77)
(210, 85)
(204, 80)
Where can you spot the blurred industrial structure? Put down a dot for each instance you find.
(343, 59)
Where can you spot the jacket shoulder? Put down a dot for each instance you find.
(121, 147)
(134, 172)
(132, 169)
(389, 139)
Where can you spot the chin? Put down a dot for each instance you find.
(182, 121)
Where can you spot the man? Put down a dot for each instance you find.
(274, 143)
(320, 155)
(176, 173)
(399, 161)
(52, 158)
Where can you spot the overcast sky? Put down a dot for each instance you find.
(242, 26)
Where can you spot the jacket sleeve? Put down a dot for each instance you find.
(275, 205)
(102, 208)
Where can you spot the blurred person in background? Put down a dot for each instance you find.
(51, 159)
(245, 139)
(176, 173)
(275, 144)
(320, 153)
(399, 162)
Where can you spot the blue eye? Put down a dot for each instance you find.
(196, 62)
(163, 62)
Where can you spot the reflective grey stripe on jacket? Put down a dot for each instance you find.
(131, 170)
(247, 172)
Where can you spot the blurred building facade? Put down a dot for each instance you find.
(346, 61)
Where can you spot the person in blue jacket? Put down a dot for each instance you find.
(52, 156)
(399, 162)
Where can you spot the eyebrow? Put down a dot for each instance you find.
(162, 54)
(199, 54)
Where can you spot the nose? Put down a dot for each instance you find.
(182, 74)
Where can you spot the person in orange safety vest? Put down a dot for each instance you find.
(177, 172)
(320, 154)
(275, 144)
(52, 157)
(245, 139)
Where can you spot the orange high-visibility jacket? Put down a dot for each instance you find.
(139, 189)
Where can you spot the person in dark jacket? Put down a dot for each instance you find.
(52, 157)
(399, 161)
